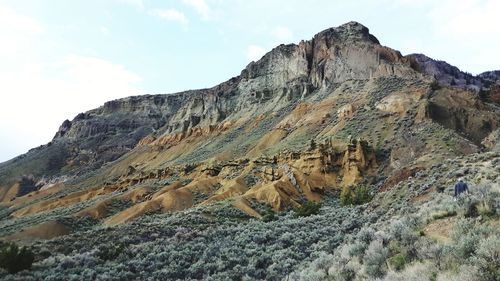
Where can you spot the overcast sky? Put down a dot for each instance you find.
(59, 57)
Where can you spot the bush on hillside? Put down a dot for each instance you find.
(346, 196)
(397, 262)
(307, 209)
(435, 85)
(374, 259)
(269, 215)
(487, 258)
(15, 259)
(355, 196)
(110, 251)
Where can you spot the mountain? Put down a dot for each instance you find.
(337, 114)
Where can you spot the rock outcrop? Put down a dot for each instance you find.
(446, 74)
(283, 76)
(306, 119)
(492, 141)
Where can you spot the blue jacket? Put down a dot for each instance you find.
(460, 187)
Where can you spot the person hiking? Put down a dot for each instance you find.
(460, 187)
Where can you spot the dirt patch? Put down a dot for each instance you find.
(36, 195)
(244, 206)
(70, 199)
(267, 141)
(426, 197)
(440, 230)
(398, 177)
(46, 230)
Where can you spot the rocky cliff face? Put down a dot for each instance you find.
(280, 78)
(445, 73)
(340, 86)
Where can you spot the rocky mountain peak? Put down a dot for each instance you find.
(333, 55)
(351, 31)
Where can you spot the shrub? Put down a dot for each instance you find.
(402, 233)
(310, 275)
(360, 195)
(463, 273)
(269, 215)
(381, 153)
(344, 267)
(435, 85)
(365, 235)
(312, 145)
(398, 229)
(487, 258)
(346, 196)
(414, 272)
(489, 199)
(440, 188)
(358, 249)
(374, 259)
(307, 209)
(397, 262)
(486, 210)
(444, 214)
(471, 210)
(110, 251)
(434, 252)
(345, 273)
(466, 235)
(317, 269)
(15, 259)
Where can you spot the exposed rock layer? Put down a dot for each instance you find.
(283, 131)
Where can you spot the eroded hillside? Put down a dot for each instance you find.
(303, 123)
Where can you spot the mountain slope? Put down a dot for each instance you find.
(305, 120)
(202, 184)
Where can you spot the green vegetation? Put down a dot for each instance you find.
(15, 259)
(393, 236)
(346, 196)
(201, 243)
(397, 262)
(312, 145)
(444, 214)
(355, 196)
(269, 215)
(110, 251)
(308, 208)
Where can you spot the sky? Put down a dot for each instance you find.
(62, 57)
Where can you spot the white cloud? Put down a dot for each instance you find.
(37, 92)
(18, 23)
(466, 18)
(201, 7)
(465, 33)
(171, 15)
(99, 72)
(255, 53)
(39, 103)
(282, 33)
(412, 45)
(17, 33)
(474, 25)
(136, 3)
(104, 30)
